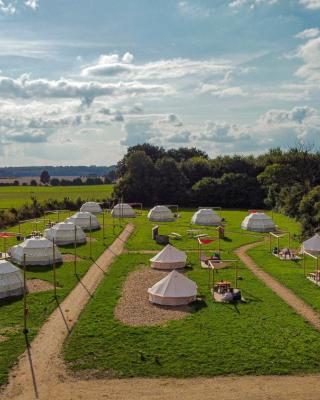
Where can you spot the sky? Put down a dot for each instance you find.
(81, 80)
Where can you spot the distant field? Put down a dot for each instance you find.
(16, 196)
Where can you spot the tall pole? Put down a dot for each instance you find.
(90, 245)
(75, 249)
(25, 309)
(304, 264)
(54, 268)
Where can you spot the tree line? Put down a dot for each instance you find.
(285, 181)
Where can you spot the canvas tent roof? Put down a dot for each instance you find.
(206, 216)
(174, 285)
(170, 254)
(258, 222)
(65, 233)
(160, 213)
(11, 280)
(82, 219)
(123, 210)
(312, 245)
(91, 206)
(38, 251)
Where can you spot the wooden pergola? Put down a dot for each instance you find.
(278, 236)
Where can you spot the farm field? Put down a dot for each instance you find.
(261, 336)
(16, 196)
(41, 304)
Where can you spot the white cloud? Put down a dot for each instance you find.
(310, 4)
(309, 53)
(308, 33)
(25, 87)
(190, 9)
(221, 90)
(113, 65)
(7, 8)
(235, 4)
(180, 137)
(33, 4)
(294, 116)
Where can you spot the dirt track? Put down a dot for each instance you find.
(50, 380)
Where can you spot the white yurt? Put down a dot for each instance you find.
(123, 210)
(173, 290)
(311, 245)
(92, 207)
(38, 251)
(11, 280)
(160, 213)
(206, 217)
(65, 233)
(82, 219)
(258, 222)
(169, 258)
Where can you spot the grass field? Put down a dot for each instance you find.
(262, 336)
(42, 304)
(16, 196)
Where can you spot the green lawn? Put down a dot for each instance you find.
(262, 336)
(16, 196)
(42, 304)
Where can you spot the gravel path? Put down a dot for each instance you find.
(300, 307)
(134, 307)
(53, 382)
(38, 285)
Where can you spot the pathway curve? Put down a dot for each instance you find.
(40, 367)
(300, 307)
(53, 382)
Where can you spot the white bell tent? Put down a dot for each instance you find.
(11, 280)
(92, 207)
(173, 290)
(312, 245)
(169, 258)
(123, 210)
(206, 217)
(38, 251)
(258, 222)
(65, 233)
(160, 214)
(84, 220)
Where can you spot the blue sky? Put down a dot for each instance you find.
(82, 80)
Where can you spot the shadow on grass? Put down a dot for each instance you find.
(42, 268)
(10, 300)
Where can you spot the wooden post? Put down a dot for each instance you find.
(90, 245)
(54, 268)
(278, 243)
(25, 309)
(75, 249)
(304, 264)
